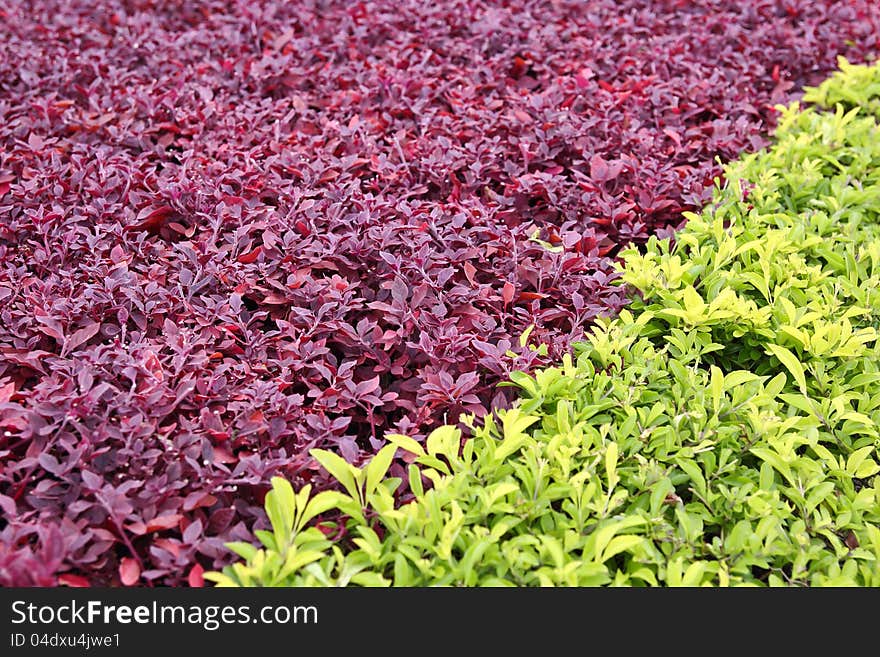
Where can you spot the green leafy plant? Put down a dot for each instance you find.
(721, 431)
(853, 85)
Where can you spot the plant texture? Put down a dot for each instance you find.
(721, 431)
(232, 232)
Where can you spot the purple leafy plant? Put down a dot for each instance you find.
(232, 232)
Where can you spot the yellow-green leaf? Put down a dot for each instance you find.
(791, 363)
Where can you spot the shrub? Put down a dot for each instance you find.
(721, 431)
(231, 232)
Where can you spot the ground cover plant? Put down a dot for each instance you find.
(234, 232)
(723, 430)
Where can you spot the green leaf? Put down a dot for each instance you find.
(415, 480)
(775, 460)
(222, 580)
(716, 386)
(268, 540)
(470, 560)
(818, 494)
(405, 443)
(369, 579)
(524, 338)
(553, 548)
(659, 491)
(320, 503)
(281, 508)
(859, 463)
(499, 490)
(510, 445)
(514, 422)
(244, 550)
(445, 441)
(792, 364)
(693, 576)
(611, 465)
(403, 573)
(378, 467)
(297, 560)
(339, 468)
(620, 544)
(601, 538)
(775, 385)
(695, 473)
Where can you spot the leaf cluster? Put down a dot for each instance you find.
(721, 431)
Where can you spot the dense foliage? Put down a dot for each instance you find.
(232, 232)
(723, 430)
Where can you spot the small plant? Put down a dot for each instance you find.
(722, 431)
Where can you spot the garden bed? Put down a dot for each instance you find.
(231, 233)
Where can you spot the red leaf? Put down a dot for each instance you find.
(75, 581)
(81, 336)
(51, 326)
(6, 392)
(151, 219)
(153, 366)
(168, 545)
(281, 41)
(27, 357)
(368, 386)
(851, 540)
(195, 578)
(222, 455)
(531, 296)
(673, 135)
(219, 436)
(117, 254)
(163, 522)
(247, 258)
(137, 528)
(8, 506)
(129, 571)
(187, 231)
(196, 500)
(273, 299)
(469, 271)
(602, 170)
(507, 292)
(519, 67)
(582, 79)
